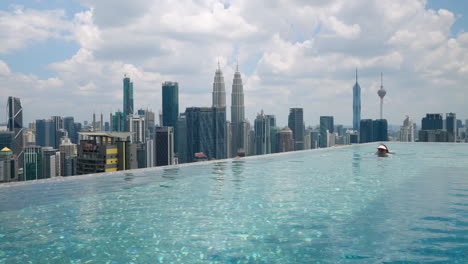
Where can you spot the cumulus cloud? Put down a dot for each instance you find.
(22, 27)
(292, 54)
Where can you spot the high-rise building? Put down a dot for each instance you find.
(206, 132)
(237, 114)
(127, 96)
(271, 119)
(58, 120)
(118, 122)
(366, 131)
(7, 139)
(105, 152)
(285, 140)
(49, 162)
(77, 126)
(32, 163)
(381, 94)
(59, 135)
(45, 133)
(150, 153)
(262, 134)
(432, 122)
(8, 165)
(451, 125)
(228, 130)
(273, 132)
(326, 127)
(68, 157)
(407, 130)
(296, 124)
(15, 124)
(373, 130)
(356, 104)
(164, 146)
(249, 140)
(219, 91)
(170, 103)
(432, 129)
(315, 139)
(69, 125)
(149, 122)
(137, 129)
(380, 128)
(181, 139)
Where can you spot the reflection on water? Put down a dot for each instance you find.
(218, 174)
(356, 163)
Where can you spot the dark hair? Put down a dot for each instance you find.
(386, 148)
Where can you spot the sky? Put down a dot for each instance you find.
(68, 57)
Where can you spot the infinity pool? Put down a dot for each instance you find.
(342, 205)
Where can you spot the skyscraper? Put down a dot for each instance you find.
(432, 122)
(164, 146)
(181, 139)
(285, 140)
(451, 125)
(45, 133)
(170, 103)
(262, 134)
(380, 130)
(206, 132)
(137, 128)
(15, 124)
(127, 96)
(296, 124)
(381, 94)
(356, 104)
(32, 163)
(326, 127)
(237, 114)
(407, 130)
(366, 131)
(69, 125)
(219, 91)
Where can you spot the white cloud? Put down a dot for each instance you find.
(23, 27)
(299, 53)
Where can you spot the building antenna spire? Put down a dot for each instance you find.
(356, 75)
(237, 64)
(381, 80)
(219, 67)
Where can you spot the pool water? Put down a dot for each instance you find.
(338, 205)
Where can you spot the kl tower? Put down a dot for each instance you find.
(381, 94)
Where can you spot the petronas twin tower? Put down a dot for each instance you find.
(237, 107)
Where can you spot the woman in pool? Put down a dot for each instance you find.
(382, 151)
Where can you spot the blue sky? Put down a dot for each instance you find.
(290, 55)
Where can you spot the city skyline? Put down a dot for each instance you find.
(75, 59)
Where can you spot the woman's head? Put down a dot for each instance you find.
(382, 149)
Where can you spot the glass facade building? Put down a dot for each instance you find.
(170, 103)
(45, 133)
(432, 122)
(326, 124)
(262, 135)
(69, 126)
(380, 130)
(356, 104)
(206, 132)
(296, 124)
(128, 97)
(15, 124)
(366, 131)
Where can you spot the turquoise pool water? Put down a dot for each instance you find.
(341, 205)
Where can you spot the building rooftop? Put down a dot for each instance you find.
(120, 135)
